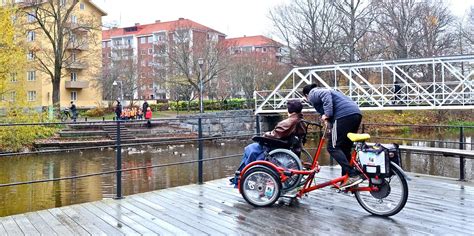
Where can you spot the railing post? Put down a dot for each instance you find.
(461, 158)
(118, 163)
(257, 125)
(200, 151)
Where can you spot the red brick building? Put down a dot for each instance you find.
(147, 46)
(261, 46)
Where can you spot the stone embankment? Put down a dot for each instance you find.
(218, 124)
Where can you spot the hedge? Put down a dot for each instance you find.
(231, 104)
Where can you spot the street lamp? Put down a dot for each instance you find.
(115, 83)
(201, 63)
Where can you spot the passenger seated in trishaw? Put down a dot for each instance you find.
(282, 145)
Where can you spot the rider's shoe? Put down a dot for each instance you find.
(351, 181)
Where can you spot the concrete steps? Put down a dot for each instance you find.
(111, 131)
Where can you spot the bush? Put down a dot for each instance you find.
(96, 112)
(231, 104)
(16, 138)
(160, 107)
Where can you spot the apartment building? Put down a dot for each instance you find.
(260, 46)
(82, 53)
(149, 48)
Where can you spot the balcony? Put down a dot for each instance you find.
(76, 65)
(77, 84)
(78, 46)
(77, 27)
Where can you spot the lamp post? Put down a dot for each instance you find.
(201, 63)
(115, 83)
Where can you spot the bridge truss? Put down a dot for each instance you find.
(426, 83)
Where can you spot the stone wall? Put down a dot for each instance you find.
(239, 122)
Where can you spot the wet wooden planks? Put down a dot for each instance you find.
(435, 206)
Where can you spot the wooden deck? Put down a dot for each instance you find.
(436, 206)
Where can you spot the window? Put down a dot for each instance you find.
(142, 40)
(264, 49)
(31, 96)
(82, 6)
(73, 96)
(150, 39)
(30, 56)
(13, 96)
(104, 44)
(31, 76)
(74, 19)
(62, 3)
(73, 38)
(31, 17)
(73, 76)
(73, 56)
(30, 36)
(150, 51)
(143, 52)
(13, 77)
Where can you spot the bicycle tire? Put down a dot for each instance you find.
(260, 186)
(306, 159)
(63, 117)
(370, 203)
(288, 160)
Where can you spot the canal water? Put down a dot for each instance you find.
(33, 197)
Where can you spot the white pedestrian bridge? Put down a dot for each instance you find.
(409, 84)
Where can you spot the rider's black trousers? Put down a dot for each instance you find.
(339, 145)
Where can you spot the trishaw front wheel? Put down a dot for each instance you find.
(260, 186)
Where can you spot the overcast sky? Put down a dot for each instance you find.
(235, 18)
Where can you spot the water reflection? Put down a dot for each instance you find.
(25, 198)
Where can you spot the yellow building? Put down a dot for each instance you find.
(81, 56)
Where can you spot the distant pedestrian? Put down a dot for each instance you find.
(145, 106)
(73, 111)
(396, 92)
(140, 114)
(148, 116)
(118, 110)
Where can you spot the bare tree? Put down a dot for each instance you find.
(355, 21)
(65, 34)
(124, 69)
(435, 20)
(183, 49)
(398, 27)
(310, 28)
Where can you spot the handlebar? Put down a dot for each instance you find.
(312, 123)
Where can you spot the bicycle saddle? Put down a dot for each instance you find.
(358, 137)
(271, 142)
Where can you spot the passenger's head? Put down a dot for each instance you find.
(307, 89)
(294, 106)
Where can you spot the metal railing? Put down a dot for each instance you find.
(119, 144)
(462, 144)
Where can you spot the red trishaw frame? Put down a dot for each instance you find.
(284, 173)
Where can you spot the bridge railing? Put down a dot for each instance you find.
(427, 83)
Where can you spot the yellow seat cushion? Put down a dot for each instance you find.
(358, 137)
